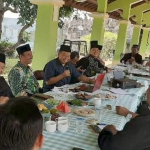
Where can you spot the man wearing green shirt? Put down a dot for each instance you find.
(21, 77)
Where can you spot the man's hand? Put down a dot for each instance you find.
(109, 70)
(23, 93)
(66, 73)
(131, 60)
(111, 128)
(147, 64)
(81, 70)
(3, 100)
(122, 111)
(92, 81)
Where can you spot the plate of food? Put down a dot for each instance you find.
(83, 96)
(77, 102)
(43, 109)
(41, 96)
(51, 102)
(108, 97)
(83, 87)
(85, 112)
(54, 114)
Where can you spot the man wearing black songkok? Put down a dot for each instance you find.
(21, 77)
(91, 63)
(59, 71)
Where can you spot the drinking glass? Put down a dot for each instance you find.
(46, 117)
(66, 89)
(130, 69)
(108, 77)
(97, 114)
(97, 102)
(79, 125)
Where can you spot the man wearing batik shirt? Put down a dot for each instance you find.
(21, 77)
(92, 63)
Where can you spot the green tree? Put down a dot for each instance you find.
(109, 45)
(27, 15)
(87, 38)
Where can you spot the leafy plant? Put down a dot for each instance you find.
(5, 47)
(26, 36)
(109, 45)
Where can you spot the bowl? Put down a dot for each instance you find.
(83, 96)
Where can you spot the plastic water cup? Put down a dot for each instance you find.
(97, 102)
(80, 125)
(46, 117)
(98, 114)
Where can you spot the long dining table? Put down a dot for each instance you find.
(87, 140)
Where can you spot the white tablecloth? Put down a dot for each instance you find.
(88, 140)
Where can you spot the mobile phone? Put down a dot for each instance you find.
(29, 94)
(76, 148)
(101, 125)
(95, 128)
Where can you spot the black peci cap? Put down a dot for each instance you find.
(23, 48)
(65, 48)
(100, 47)
(94, 44)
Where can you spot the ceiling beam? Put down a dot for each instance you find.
(92, 1)
(137, 4)
(146, 11)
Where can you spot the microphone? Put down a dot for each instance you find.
(67, 67)
(67, 78)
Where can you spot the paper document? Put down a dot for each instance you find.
(118, 91)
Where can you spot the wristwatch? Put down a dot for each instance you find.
(129, 116)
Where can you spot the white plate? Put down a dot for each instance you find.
(85, 112)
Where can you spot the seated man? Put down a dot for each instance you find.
(133, 56)
(21, 77)
(59, 71)
(92, 63)
(5, 92)
(134, 136)
(74, 57)
(21, 125)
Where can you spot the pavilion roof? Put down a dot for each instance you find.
(91, 6)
